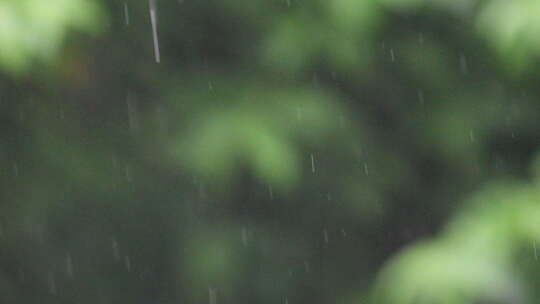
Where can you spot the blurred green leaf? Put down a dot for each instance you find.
(33, 30)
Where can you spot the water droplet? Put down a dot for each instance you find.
(244, 237)
(153, 18)
(306, 266)
(52, 283)
(325, 235)
(212, 295)
(20, 275)
(342, 121)
(126, 13)
(127, 263)
(133, 116)
(129, 176)
(312, 163)
(366, 169)
(69, 266)
(271, 192)
(114, 246)
(463, 64)
(421, 96)
(15, 170)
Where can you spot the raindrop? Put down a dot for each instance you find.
(421, 96)
(421, 38)
(312, 163)
(244, 237)
(535, 250)
(114, 246)
(127, 263)
(153, 19)
(133, 116)
(21, 276)
(366, 169)
(69, 266)
(343, 232)
(202, 191)
(15, 170)
(325, 235)
(126, 13)
(51, 283)
(463, 64)
(306, 266)
(342, 121)
(129, 176)
(288, 3)
(471, 135)
(212, 295)
(162, 120)
(271, 192)
(392, 55)
(286, 300)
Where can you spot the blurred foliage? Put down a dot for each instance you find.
(284, 151)
(34, 30)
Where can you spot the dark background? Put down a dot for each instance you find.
(344, 151)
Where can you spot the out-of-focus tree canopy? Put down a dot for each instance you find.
(283, 151)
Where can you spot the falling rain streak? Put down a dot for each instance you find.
(153, 18)
(421, 96)
(535, 250)
(271, 192)
(127, 262)
(312, 163)
(212, 295)
(463, 64)
(126, 13)
(133, 115)
(114, 245)
(471, 135)
(129, 176)
(244, 237)
(306, 266)
(69, 266)
(52, 283)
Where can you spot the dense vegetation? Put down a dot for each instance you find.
(269, 151)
